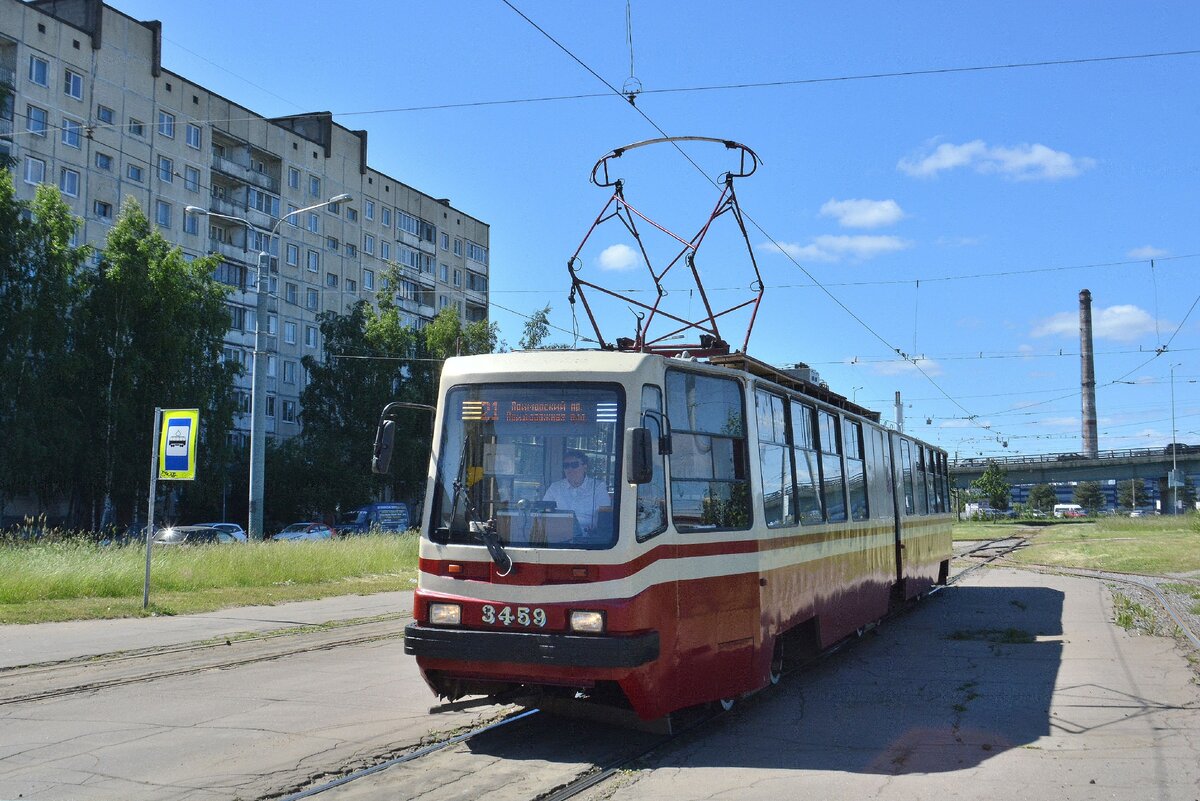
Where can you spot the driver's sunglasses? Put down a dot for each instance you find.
(572, 465)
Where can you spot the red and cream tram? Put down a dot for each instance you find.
(647, 530)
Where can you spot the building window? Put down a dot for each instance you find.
(191, 223)
(261, 201)
(270, 404)
(105, 115)
(407, 222)
(39, 71)
(385, 217)
(292, 217)
(351, 250)
(445, 241)
(166, 124)
(289, 368)
(352, 214)
(166, 170)
(334, 208)
(289, 410)
(445, 273)
(331, 280)
(331, 243)
(134, 173)
(35, 170)
(102, 210)
(103, 161)
(136, 127)
(458, 278)
(72, 133)
(368, 279)
(351, 285)
(162, 213)
(385, 250)
(191, 179)
(293, 255)
(314, 223)
(237, 318)
(314, 186)
(289, 336)
(35, 120)
(311, 299)
(477, 252)
(193, 136)
(314, 261)
(310, 336)
(69, 182)
(73, 84)
(457, 247)
(369, 210)
(369, 244)
(293, 178)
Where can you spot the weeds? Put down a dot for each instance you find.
(1132, 615)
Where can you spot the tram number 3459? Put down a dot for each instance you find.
(522, 616)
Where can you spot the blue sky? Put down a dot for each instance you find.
(954, 216)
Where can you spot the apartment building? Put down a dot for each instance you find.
(94, 112)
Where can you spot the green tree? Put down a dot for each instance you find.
(537, 329)
(1089, 495)
(40, 419)
(993, 485)
(446, 336)
(151, 329)
(1132, 494)
(1042, 497)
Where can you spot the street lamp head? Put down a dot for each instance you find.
(195, 210)
(343, 198)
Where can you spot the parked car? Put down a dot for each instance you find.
(1179, 447)
(237, 531)
(299, 532)
(391, 517)
(192, 535)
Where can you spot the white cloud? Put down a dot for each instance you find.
(1018, 163)
(1148, 252)
(618, 258)
(904, 367)
(863, 213)
(1124, 323)
(836, 248)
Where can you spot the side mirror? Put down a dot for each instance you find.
(639, 458)
(385, 437)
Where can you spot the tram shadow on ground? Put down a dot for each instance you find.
(965, 676)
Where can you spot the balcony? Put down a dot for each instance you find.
(244, 173)
(235, 253)
(8, 76)
(6, 127)
(222, 206)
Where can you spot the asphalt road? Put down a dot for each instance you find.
(948, 701)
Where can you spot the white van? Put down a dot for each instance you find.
(1068, 510)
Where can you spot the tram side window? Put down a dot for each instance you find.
(944, 483)
(808, 465)
(710, 487)
(856, 468)
(775, 459)
(907, 467)
(919, 481)
(935, 480)
(652, 496)
(832, 487)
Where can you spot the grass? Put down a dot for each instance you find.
(1130, 614)
(1148, 545)
(80, 580)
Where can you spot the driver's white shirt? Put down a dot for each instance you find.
(583, 500)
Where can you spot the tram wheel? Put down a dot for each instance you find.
(777, 663)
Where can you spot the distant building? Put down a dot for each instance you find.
(95, 113)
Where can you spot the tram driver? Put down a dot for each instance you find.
(579, 493)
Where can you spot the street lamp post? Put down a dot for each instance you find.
(258, 370)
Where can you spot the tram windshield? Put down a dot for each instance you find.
(540, 462)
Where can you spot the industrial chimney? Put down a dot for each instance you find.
(1087, 375)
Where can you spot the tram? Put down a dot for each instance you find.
(654, 531)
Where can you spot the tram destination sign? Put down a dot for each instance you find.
(538, 411)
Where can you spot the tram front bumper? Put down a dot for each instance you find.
(567, 650)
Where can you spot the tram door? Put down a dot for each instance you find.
(901, 503)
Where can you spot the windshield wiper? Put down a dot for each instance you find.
(485, 530)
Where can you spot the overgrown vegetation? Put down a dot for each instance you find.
(1148, 545)
(1132, 615)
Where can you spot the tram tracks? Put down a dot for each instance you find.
(37, 682)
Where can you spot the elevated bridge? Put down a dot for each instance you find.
(1145, 463)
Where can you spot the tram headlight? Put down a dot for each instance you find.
(445, 614)
(587, 622)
